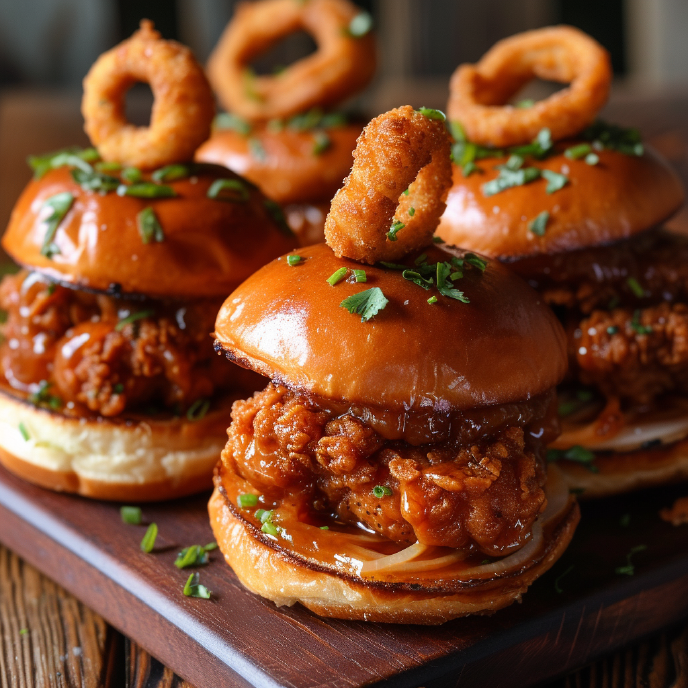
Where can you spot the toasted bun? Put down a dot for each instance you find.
(290, 172)
(210, 246)
(272, 572)
(115, 459)
(625, 472)
(287, 324)
(615, 199)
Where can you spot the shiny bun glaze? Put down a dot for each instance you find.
(291, 171)
(210, 245)
(615, 199)
(286, 323)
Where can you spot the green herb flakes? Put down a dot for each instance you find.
(148, 542)
(367, 303)
(508, 179)
(131, 515)
(380, 491)
(555, 181)
(132, 318)
(635, 287)
(133, 175)
(227, 120)
(146, 190)
(337, 276)
(59, 205)
(149, 226)
(257, 150)
(394, 229)
(321, 142)
(578, 152)
(538, 225)
(432, 299)
(629, 568)
(577, 454)
(171, 173)
(245, 501)
(432, 114)
(294, 260)
(195, 555)
(193, 588)
(360, 276)
(233, 190)
(41, 397)
(24, 432)
(95, 181)
(198, 410)
(637, 326)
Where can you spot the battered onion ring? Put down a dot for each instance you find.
(394, 150)
(341, 66)
(182, 112)
(560, 53)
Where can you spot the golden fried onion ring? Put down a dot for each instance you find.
(560, 53)
(182, 112)
(395, 149)
(341, 66)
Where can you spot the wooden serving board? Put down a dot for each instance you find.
(238, 639)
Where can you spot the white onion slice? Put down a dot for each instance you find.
(402, 557)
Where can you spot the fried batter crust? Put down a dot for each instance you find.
(71, 339)
(486, 494)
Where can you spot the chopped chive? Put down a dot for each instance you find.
(24, 432)
(269, 528)
(171, 173)
(149, 226)
(337, 276)
(198, 410)
(195, 555)
(193, 588)
(396, 227)
(293, 260)
(227, 120)
(432, 299)
(132, 175)
(555, 181)
(412, 212)
(638, 327)
(233, 190)
(104, 166)
(629, 568)
(60, 205)
(134, 317)
(406, 193)
(149, 538)
(538, 225)
(360, 275)
(42, 397)
(247, 500)
(321, 143)
(131, 515)
(146, 190)
(257, 150)
(437, 240)
(430, 113)
(380, 491)
(635, 287)
(578, 152)
(476, 261)
(324, 527)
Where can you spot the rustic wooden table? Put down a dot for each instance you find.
(49, 639)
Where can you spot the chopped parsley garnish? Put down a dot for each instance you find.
(538, 225)
(360, 25)
(445, 286)
(638, 327)
(132, 318)
(146, 190)
(42, 397)
(509, 178)
(360, 276)
(198, 410)
(539, 149)
(366, 303)
(68, 157)
(394, 229)
(233, 190)
(476, 261)
(321, 143)
(131, 515)
(193, 588)
(577, 454)
(149, 538)
(430, 113)
(613, 137)
(195, 555)
(132, 175)
(411, 211)
(275, 212)
(227, 120)
(24, 432)
(245, 501)
(432, 299)
(149, 226)
(415, 277)
(557, 580)
(294, 260)
(257, 150)
(59, 204)
(337, 276)
(635, 287)
(95, 181)
(437, 240)
(380, 491)
(629, 568)
(555, 181)
(171, 173)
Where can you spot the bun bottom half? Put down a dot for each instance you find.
(135, 459)
(625, 472)
(285, 579)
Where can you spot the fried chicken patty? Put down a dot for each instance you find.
(624, 309)
(104, 353)
(485, 494)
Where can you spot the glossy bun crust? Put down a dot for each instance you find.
(290, 172)
(615, 199)
(210, 246)
(275, 574)
(287, 324)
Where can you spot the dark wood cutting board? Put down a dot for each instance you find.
(238, 639)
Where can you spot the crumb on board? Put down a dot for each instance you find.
(678, 513)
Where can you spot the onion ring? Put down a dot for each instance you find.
(341, 66)
(478, 93)
(182, 112)
(395, 149)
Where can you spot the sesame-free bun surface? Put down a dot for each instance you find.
(133, 459)
(287, 324)
(210, 246)
(290, 172)
(615, 199)
(274, 573)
